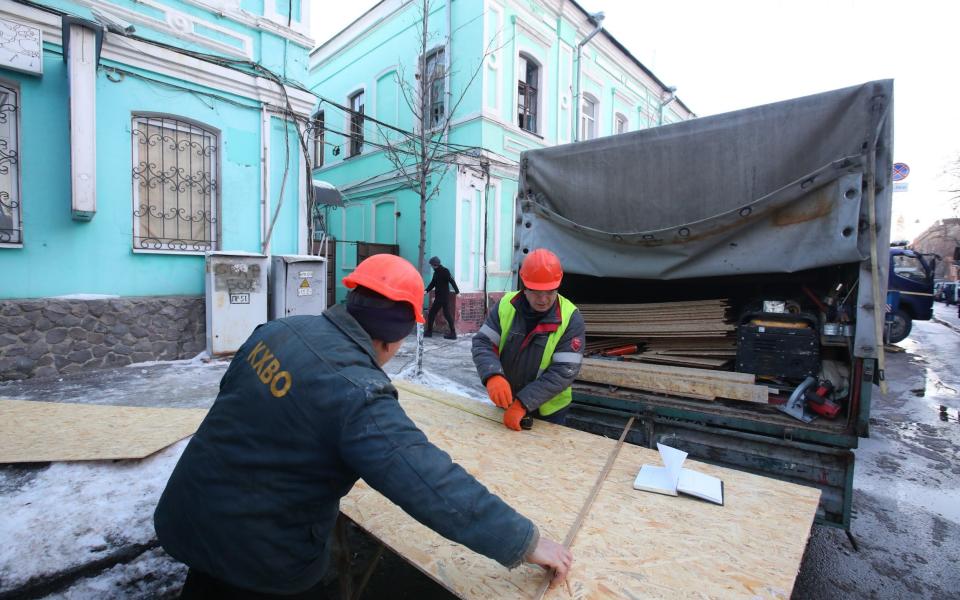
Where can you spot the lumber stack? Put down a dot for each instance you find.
(701, 384)
(697, 319)
(691, 333)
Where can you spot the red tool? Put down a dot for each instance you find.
(620, 350)
(818, 400)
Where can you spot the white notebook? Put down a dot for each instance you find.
(672, 478)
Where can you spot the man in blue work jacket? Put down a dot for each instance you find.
(304, 410)
(529, 350)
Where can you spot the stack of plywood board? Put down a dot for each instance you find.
(702, 384)
(695, 333)
(629, 544)
(698, 319)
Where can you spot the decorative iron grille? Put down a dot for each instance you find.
(175, 186)
(11, 231)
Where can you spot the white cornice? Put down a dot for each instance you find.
(231, 10)
(134, 53)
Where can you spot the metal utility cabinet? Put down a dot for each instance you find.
(236, 299)
(298, 285)
(787, 202)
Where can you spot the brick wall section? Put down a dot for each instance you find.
(468, 313)
(48, 337)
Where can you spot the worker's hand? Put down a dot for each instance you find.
(512, 416)
(551, 555)
(499, 390)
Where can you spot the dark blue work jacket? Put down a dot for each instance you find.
(303, 412)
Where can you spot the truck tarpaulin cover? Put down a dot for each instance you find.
(775, 188)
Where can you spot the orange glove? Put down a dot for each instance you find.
(499, 390)
(512, 416)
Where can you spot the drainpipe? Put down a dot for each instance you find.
(597, 19)
(671, 91)
(264, 175)
(447, 73)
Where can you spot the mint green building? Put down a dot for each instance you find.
(508, 79)
(134, 136)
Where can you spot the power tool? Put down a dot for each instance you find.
(819, 399)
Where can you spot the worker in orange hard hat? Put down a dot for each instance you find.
(305, 410)
(530, 348)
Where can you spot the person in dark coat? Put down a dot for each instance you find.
(441, 282)
(304, 410)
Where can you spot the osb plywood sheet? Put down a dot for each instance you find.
(53, 431)
(632, 544)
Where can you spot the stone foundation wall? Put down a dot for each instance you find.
(49, 337)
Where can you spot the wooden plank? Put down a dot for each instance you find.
(690, 361)
(631, 544)
(672, 384)
(665, 371)
(53, 431)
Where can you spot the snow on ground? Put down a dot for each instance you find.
(71, 514)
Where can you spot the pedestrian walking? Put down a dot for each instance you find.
(441, 282)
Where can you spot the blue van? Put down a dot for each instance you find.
(911, 278)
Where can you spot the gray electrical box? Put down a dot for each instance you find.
(298, 285)
(236, 286)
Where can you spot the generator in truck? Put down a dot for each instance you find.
(752, 244)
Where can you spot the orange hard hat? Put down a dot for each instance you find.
(392, 277)
(541, 270)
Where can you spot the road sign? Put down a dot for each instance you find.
(900, 171)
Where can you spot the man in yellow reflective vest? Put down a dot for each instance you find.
(530, 348)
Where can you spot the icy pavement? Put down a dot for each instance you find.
(85, 529)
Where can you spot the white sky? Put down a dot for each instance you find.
(724, 56)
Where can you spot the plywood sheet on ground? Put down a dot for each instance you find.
(53, 431)
(632, 544)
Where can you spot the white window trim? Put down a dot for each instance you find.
(344, 264)
(348, 127)
(446, 79)
(16, 192)
(617, 117)
(215, 201)
(494, 60)
(544, 85)
(588, 97)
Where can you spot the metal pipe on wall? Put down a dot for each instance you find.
(598, 19)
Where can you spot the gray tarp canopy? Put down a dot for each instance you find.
(772, 189)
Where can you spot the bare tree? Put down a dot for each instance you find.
(423, 158)
(953, 170)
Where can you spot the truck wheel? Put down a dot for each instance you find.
(900, 329)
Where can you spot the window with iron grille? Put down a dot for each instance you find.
(527, 87)
(356, 123)
(318, 135)
(11, 228)
(176, 191)
(435, 71)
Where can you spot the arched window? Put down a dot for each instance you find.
(356, 123)
(588, 117)
(620, 124)
(528, 88)
(176, 188)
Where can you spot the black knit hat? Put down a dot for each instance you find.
(435, 261)
(382, 318)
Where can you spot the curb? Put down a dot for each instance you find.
(951, 326)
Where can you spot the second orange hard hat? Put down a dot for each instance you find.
(541, 270)
(392, 277)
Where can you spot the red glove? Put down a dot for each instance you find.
(512, 416)
(499, 390)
